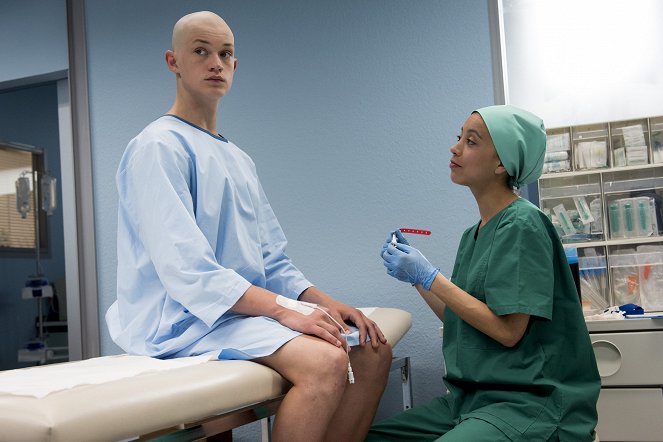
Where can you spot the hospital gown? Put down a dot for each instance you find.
(195, 231)
(545, 387)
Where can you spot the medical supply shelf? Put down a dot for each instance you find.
(629, 356)
(603, 189)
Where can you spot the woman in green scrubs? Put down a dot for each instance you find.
(519, 361)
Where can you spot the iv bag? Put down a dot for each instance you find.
(48, 194)
(23, 195)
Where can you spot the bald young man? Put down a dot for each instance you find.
(202, 267)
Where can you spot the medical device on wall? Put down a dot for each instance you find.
(23, 184)
(37, 286)
(49, 200)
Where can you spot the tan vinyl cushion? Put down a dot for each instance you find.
(152, 401)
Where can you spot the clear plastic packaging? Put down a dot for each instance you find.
(615, 218)
(632, 217)
(558, 148)
(657, 140)
(583, 210)
(650, 263)
(593, 280)
(595, 209)
(591, 155)
(635, 145)
(625, 277)
(564, 220)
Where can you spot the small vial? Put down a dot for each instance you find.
(394, 239)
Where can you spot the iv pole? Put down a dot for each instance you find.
(38, 274)
(37, 286)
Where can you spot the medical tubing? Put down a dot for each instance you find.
(351, 376)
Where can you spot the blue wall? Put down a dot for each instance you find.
(34, 38)
(348, 109)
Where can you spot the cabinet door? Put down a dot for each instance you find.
(629, 359)
(630, 414)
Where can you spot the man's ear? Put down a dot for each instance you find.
(170, 61)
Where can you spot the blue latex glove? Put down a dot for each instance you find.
(399, 238)
(408, 264)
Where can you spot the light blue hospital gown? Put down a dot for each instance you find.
(195, 231)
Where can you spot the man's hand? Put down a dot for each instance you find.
(317, 323)
(344, 313)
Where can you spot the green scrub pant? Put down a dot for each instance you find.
(434, 422)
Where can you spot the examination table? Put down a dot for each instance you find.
(145, 398)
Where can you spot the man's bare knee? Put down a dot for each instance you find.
(330, 365)
(310, 363)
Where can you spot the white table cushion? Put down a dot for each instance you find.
(152, 399)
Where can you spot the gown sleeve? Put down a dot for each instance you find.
(281, 275)
(520, 272)
(155, 187)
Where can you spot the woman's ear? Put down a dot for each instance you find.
(500, 169)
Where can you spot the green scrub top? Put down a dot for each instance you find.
(549, 381)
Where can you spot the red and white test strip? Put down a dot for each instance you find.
(394, 240)
(415, 231)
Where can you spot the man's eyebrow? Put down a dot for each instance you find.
(205, 42)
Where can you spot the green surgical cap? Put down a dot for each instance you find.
(520, 141)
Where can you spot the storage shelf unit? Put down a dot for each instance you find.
(602, 187)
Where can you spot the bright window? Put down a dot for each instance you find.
(17, 234)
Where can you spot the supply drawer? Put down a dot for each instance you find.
(630, 414)
(632, 358)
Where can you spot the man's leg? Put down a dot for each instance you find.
(318, 373)
(360, 401)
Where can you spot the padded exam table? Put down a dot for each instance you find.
(145, 398)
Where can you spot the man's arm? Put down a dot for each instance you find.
(257, 301)
(156, 204)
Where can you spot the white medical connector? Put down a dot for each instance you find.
(306, 308)
(351, 375)
(394, 239)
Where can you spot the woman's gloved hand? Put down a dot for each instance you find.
(399, 238)
(408, 264)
